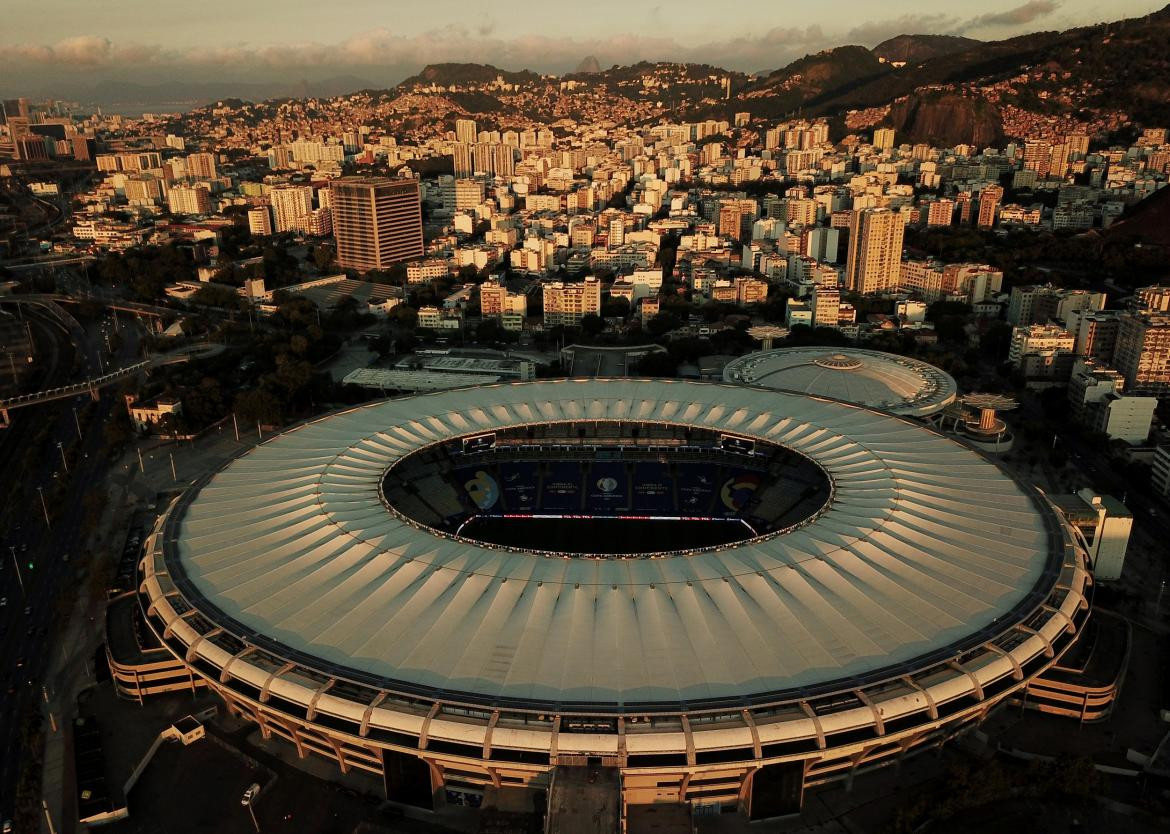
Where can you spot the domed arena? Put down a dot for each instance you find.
(873, 378)
(720, 595)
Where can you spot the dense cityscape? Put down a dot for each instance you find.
(660, 447)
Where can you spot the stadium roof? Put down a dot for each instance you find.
(884, 381)
(925, 549)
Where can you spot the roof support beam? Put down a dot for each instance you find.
(757, 748)
(931, 706)
(264, 690)
(224, 671)
(312, 712)
(194, 644)
(808, 710)
(879, 723)
(487, 736)
(365, 728)
(426, 727)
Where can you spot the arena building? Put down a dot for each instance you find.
(873, 378)
(483, 590)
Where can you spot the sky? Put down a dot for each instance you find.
(64, 47)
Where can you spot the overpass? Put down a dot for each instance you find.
(93, 385)
(110, 303)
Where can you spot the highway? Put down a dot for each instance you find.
(32, 613)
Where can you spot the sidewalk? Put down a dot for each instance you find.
(69, 672)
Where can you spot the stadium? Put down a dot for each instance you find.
(715, 596)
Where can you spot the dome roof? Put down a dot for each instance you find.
(885, 381)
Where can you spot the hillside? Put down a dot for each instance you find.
(913, 49)
(459, 74)
(1147, 223)
(807, 81)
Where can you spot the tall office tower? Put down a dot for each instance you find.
(260, 221)
(883, 138)
(989, 199)
(376, 221)
(461, 158)
(183, 199)
(201, 166)
(465, 131)
(875, 250)
(1142, 353)
(292, 206)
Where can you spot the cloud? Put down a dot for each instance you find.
(1018, 16)
(388, 55)
(874, 32)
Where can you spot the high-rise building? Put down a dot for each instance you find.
(292, 206)
(465, 131)
(1153, 299)
(875, 250)
(883, 138)
(826, 306)
(496, 301)
(730, 219)
(566, 304)
(941, 212)
(461, 159)
(989, 199)
(376, 221)
(201, 166)
(84, 147)
(1142, 353)
(1096, 333)
(194, 199)
(468, 194)
(503, 162)
(260, 221)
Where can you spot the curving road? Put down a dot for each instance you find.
(27, 639)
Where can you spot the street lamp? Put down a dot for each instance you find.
(44, 506)
(61, 449)
(20, 579)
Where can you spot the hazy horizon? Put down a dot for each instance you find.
(267, 46)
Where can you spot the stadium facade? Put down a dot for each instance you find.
(878, 612)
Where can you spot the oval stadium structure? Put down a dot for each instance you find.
(885, 381)
(722, 594)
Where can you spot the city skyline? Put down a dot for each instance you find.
(365, 41)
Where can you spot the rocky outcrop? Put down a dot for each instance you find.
(947, 120)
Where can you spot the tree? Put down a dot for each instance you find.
(259, 405)
(323, 256)
(662, 323)
(656, 364)
(592, 324)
